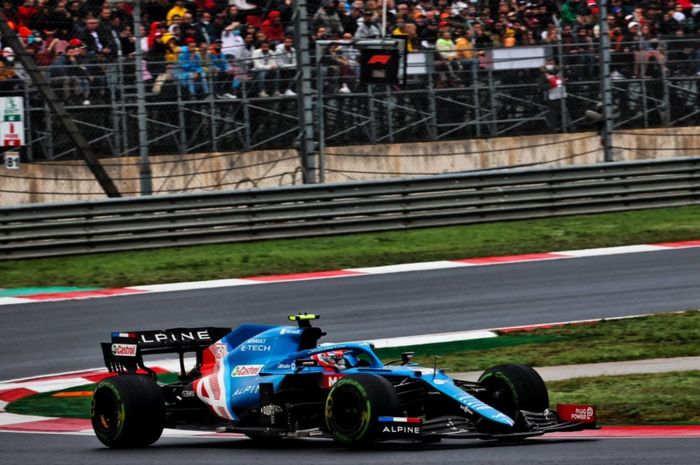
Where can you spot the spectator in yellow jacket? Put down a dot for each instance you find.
(177, 10)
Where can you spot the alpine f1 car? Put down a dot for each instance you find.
(277, 382)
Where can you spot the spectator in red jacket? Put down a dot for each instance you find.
(273, 28)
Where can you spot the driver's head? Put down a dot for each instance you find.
(333, 359)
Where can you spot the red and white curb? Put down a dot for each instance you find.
(423, 266)
(13, 390)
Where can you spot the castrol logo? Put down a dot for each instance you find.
(124, 350)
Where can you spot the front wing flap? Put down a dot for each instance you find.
(537, 424)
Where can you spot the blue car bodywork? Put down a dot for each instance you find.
(257, 354)
(272, 381)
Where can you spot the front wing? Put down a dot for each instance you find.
(458, 427)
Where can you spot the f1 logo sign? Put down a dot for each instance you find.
(379, 59)
(379, 66)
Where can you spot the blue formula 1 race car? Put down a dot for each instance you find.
(276, 382)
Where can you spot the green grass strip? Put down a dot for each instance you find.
(658, 336)
(646, 399)
(42, 290)
(357, 250)
(442, 348)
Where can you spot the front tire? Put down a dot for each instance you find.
(127, 411)
(353, 406)
(512, 388)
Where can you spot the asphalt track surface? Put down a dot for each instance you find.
(61, 336)
(72, 450)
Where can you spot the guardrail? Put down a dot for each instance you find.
(326, 209)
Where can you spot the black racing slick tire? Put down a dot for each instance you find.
(511, 388)
(128, 411)
(353, 406)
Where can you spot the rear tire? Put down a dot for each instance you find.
(127, 411)
(353, 406)
(512, 388)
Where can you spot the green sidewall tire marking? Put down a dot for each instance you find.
(121, 417)
(366, 414)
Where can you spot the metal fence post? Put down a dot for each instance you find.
(492, 101)
(247, 136)
(182, 143)
(434, 128)
(665, 107)
(390, 112)
(145, 175)
(563, 110)
(27, 121)
(372, 114)
(305, 95)
(474, 70)
(48, 123)
(212, 113)
(605, 83)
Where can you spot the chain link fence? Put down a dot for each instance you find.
(217, 116)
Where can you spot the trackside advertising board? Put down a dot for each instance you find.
(12, 121)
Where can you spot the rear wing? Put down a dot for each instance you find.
(125, 353)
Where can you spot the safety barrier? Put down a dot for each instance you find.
(325, 209)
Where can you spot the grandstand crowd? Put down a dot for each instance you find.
(220, 47)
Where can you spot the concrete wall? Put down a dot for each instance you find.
(385, 161)
(644, 144)
(71, 180)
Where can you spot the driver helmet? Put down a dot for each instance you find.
(333, 360)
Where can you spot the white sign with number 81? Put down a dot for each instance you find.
(12, 160)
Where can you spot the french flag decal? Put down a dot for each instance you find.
(398, 420)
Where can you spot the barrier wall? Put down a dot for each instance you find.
(71, 180)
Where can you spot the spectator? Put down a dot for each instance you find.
(190, 71)
(172, 50)
(352, 20)
(680, 54)
(156, 32)
(97, 39)
(216, 28)
(176, 12)
(446, 64)
(555, 91)
(71, 76)
(466, 57)
(232, 43)
(273, 29)
(286, 58)
(482, 39)
(338, 68)
(327, 17)
(245, 59)
(9, 80)
(649, 47)
(219, 71)
(234, 15)
(582, 59)
(367, 29)
(203, 32)
(265, 71)
(164, 84)
(155, 56)
(50, 48)
(351, 54)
